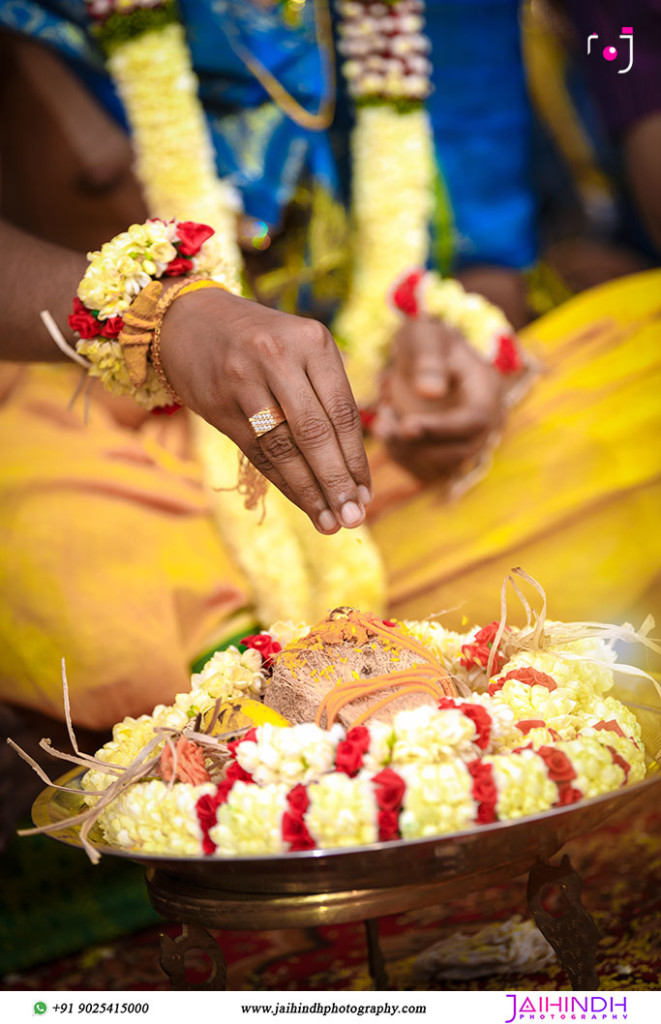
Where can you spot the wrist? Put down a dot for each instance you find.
(190, 297)
(123, 296)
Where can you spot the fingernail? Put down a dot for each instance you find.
(428, 384)
(327, 520)
(410, 428)
(351, 514)
(365, 494)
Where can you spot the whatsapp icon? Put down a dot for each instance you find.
(40, 1008)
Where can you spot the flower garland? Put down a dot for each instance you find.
(111, 291)
(149, 60)
(387, 74)
(544, 734)
(290, 568)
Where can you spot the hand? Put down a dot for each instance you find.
(440, 400)
(228, 358)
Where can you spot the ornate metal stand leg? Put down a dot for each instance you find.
(573, 932)
(375, 961)
(173, 959)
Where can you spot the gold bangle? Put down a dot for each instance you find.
(191, 284)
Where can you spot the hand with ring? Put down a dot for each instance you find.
(275, 384)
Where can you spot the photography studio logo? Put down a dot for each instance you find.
(610, 53)
(551, 1009)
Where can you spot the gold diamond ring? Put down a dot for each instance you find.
(266, 419)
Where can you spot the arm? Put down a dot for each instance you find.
(35, 275)
(228, 358)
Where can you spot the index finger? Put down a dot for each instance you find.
(326, 373)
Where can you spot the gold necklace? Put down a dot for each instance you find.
(295, 111)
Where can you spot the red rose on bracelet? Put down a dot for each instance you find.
(191, 237)
(178, 267)
(81, 320)
(507, 358)
(404, 295)
(112, 327)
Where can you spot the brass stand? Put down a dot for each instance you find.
(173, 959)
(572, 934)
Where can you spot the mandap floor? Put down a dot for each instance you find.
(52, 911)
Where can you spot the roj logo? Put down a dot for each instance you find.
(610, 52)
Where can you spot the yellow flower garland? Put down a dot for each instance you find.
(392, 177)
(174, 154)
(292, 569)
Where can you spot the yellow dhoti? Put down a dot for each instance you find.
(111, 557)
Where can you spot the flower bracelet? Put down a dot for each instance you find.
(483, 325)
(120, 304)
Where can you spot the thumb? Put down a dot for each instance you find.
(429, 366)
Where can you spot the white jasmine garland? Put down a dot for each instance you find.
(593, 763)
(367, 321)
(437, 799)
(250, 822)
(426, 734)
(445, 644)
(156, 818)
(522, 783)
(229, 673)
(342, 811)
(632, 753)
(554, 706)
(289, 756)
(379, 754)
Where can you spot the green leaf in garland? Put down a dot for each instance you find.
(401, 105)
(121, 28)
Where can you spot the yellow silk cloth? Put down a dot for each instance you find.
(112, 559)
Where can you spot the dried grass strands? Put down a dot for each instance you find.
(139, 768)
(544, 636)
(42, 774)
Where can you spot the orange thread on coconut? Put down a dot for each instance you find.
(427, 678)
(346, 626)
